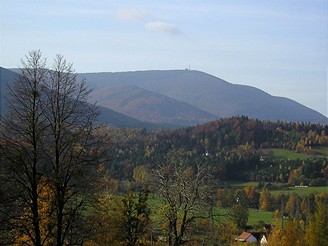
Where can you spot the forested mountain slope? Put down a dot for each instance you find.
(237, 148)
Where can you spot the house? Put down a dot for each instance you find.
(258, 238)
(246, 237)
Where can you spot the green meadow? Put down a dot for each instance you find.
(284, 154)
(302, 191)
(259, 215)
(255, 216)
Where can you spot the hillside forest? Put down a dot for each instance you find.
(66, 180)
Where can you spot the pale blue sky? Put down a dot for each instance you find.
(279, 46)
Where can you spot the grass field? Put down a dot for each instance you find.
(302, 191)
(254, 216)
(239, 183)
(284, 154)
(258, 215)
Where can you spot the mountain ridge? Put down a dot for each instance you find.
(175, 98)
(211, 94)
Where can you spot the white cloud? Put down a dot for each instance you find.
(131, 14)
(162, 26)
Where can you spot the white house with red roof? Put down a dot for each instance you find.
(246, 237)
(257, 238)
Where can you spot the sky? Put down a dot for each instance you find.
(278, 46)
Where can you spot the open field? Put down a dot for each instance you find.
(302, 191)
(284, 154)
(242, 184)
(259, 215)
(253, 218)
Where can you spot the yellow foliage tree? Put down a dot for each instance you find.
(290, 235)
(104, 229)
(316, 233)
(265, 199)
(276, 233)
(293, 234)
(46, 213)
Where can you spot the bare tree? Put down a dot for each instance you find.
(48, 144)
(22, 136)
(186, 193)
(70, 119)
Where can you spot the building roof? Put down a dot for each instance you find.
(243, 236)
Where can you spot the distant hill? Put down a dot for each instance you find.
(110, 117)
(150, 106)
(174, 98)
(204, 92)
(107, 116)
(6, 77)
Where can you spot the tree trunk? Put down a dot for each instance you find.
(35, 212)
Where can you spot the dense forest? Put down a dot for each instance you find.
(237, 148)
(68, 181)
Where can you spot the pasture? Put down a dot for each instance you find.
(302, 191)
(284, 154)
